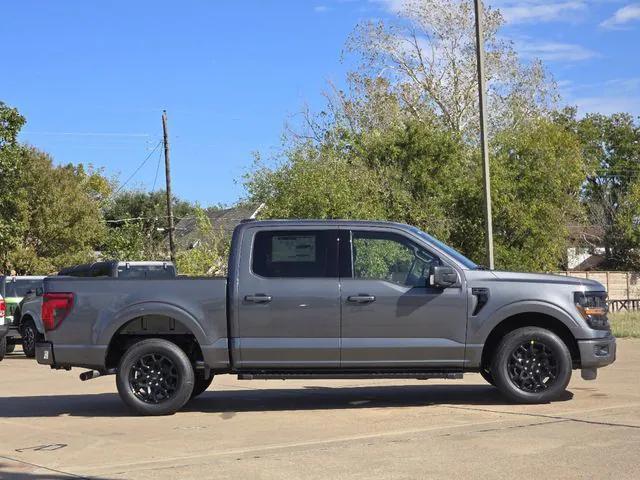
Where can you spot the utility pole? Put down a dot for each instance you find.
(167, 174)
(483, 134)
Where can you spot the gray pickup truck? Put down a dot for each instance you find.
(329, 299)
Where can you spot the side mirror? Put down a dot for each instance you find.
(442, 276)
(39, 291)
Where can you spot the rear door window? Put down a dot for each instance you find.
(296, 254)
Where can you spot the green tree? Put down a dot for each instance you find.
(12, 219)
(137, 224)
(611, 149)
(63, 219)
(316, 182)
(210, 254)
(537, 173)
(422, 174)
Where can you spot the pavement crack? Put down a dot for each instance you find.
(550, 417)
(61, 472)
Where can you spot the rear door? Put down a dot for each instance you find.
(288, 299)
(391, 317)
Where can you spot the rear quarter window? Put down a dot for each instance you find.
(295, 254)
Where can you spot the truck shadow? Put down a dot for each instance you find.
(6, 474)
(268, 399)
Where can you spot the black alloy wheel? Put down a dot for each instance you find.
(29, 338)
(154, 378)
(532, 366)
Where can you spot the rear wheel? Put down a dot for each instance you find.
(155, 377)
(29, 338)
(10, 346)
(532, 365)
(3, 347)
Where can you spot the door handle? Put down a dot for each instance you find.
(260, 298)
(361, 298)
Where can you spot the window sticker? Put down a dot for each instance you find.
(293, 248)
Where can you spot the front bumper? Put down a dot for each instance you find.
(598, 352)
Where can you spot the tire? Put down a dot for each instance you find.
(516, 361)
(487, 375)
(30, 336)
(201, 385)
(3, 347)
(155, 377)
(10, 346)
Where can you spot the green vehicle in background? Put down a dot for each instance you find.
(13, 288)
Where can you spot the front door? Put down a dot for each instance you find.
(289, 302)
(390, 316)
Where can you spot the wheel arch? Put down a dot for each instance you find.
(530, 319)
(152, 321)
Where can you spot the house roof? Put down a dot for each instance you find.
(224, 220)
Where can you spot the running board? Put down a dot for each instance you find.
(347, 375)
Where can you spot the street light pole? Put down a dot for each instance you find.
(483, 134)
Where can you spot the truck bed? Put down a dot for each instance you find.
(103, 307)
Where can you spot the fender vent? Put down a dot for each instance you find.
(482, 297)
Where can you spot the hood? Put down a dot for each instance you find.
(548, 279)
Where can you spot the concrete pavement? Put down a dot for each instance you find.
(55, 427)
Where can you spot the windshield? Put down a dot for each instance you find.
(18, 288)
(445, 248)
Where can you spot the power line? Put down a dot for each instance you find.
(155, 178)
(137, 169)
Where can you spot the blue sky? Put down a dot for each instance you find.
(92, 78)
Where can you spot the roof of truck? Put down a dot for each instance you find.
(337, 222)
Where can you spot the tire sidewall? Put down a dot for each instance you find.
(3, 347)
(28, 324)
(201, 385)
(507, 346)
(185, 373)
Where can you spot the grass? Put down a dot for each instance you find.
(625, 324)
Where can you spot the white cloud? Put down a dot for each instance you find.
(394, 6)
(320, 9)
(610, 96)
(623, 16)
(554, 51)
(539, 11)
(608, 104)
(518, 11)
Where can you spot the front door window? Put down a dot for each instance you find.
(390, 257)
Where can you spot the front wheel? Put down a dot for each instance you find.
(155, 377)
(532, 365)
(201, 384)
(488, 376)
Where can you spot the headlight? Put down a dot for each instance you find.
(593, 308)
